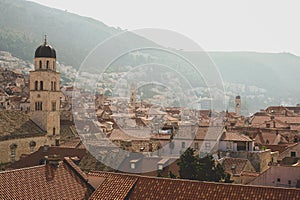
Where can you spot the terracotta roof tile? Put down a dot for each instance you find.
(141, 187)
(115, 186)
(44, 182)
(209, 133)
(239, 164)
(232, 136)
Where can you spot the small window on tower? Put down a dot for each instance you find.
(54, 86)
(40, 65)
(47, 64)
(54, 106)
(54, 131)
(41, 85)
(38, 106)
(36, 83)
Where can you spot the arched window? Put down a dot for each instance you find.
(32, 144)
(53, 65)
(40, 64)
(47, 64)
(36, 83)
(41, 85)
(38, 105)
(54, 131)
(54, 86)
(51, 85)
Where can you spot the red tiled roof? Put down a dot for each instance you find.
(44, 182)
(280, 147)
(145, 165)
(130, 134)
(232, 136)
(208, 133)
(239, 164)
(141, 187)
(265, 137)
(115, 186)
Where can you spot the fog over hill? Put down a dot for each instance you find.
(260, 78)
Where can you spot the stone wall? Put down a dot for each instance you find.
(22, 147)
(279, 176)
(259, 159)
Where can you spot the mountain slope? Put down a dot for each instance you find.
(24, 24)
(276, 72)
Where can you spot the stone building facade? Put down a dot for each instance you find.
(21, 133)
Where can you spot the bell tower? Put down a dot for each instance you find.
(238, 105)
(133, 96)
(45, 92)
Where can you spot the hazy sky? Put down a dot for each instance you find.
(216, 25)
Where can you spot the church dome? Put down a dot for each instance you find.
(45, 51)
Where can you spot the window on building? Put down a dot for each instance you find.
(228, 145)
(31, 149)
(278, 179)
(38, 105)
(293, 153)
(47, 64)
(41, 85)
(160, 167)
(36, 85)
(54, 86)
(268, 125)
(13, 148)
(207, 145)
(289, 182)
(183, 145)
(53, 105)
(132, 165)
(51, 85)
(196, 145)
(40, 64)
(53, 65)
(54, 131)
(32, 144)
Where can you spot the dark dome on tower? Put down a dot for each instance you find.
(45, 51)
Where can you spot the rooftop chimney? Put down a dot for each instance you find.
(52, 160)
(52, 163)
